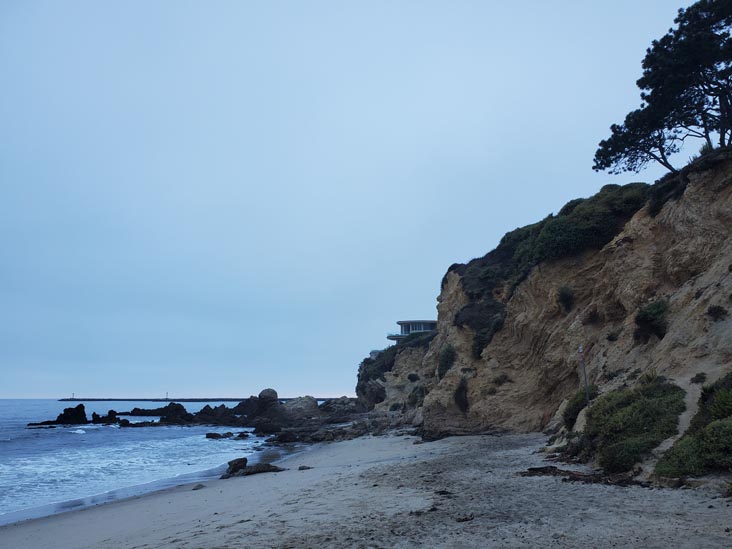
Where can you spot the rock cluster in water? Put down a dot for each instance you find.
(298, 419)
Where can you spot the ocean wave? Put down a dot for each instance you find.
(78, 431)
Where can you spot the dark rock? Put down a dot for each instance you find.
(124, 423)
(111, 417)
(284, 437)
(266, 427)
(70, 416)
(173, 408)
(342, 406)
(176, 414)
(268, 397)
(221, 415)
(198, 486)
(301, 408)
(217, 436)
(235, 465)
(243, 434)
(304, 468)
(253, 470)
(246, 407)
(173, 413)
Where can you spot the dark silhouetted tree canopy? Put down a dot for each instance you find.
(686, 90)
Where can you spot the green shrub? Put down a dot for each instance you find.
(461, 396)
(651, 320)
(620, 456)
(565, 297)
(717, 444)
(683, 459)
(707, 401)
(717, 313)
(447, 359)
(701, 377)
(721, 405)
(624, 425)
(576, 404)
(707, 444)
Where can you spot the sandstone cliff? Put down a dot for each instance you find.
(510, 323)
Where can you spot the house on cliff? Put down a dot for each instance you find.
(409, 327)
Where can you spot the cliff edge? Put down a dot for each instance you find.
(639, 276)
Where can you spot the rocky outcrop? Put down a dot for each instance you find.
(110, 418)
(298, 419)
(176, 414)
(341, 407)
(513, 341)
(219, 436)
(301, 408)
(70, 416)
(379, 375)
(220, 415)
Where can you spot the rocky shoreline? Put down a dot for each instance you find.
(300, 419)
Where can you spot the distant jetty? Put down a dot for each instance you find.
(77, 399)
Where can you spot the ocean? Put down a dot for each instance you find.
(46, 471)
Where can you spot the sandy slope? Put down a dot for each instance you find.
(390, 492)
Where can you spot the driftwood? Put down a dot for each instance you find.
(620, 479)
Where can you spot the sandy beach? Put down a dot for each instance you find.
(391, 491)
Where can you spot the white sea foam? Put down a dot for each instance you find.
(41, 467)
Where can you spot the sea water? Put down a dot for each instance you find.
(49, 470)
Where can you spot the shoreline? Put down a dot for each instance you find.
(394, 491)
(269, 454)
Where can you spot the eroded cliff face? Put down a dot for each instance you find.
(522, 377)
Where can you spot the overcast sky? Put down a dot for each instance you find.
(210, 198)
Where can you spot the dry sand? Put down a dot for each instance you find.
(390, 492)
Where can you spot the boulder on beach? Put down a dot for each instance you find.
(252, 470)
(235, 465)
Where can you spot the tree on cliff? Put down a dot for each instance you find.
(686, 90)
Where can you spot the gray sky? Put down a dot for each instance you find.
(209, 198)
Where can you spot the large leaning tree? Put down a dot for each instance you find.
(686, 89)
